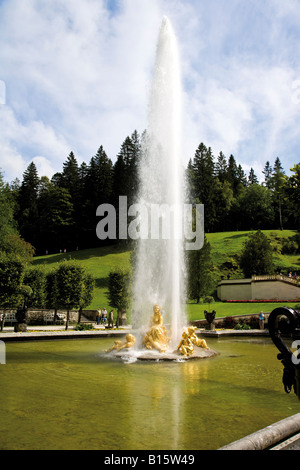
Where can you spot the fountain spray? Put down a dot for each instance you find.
(159, 264)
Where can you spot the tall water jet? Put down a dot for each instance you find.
(159, 257)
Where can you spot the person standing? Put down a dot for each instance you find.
(104, 316)
(111, 319)
(98, 316)
(261, 319)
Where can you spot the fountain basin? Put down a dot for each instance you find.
(71, 395)
(144, 355)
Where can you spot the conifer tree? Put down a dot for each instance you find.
(70, 176)
(221, 167)
(268, 170)
(277, 184)
(27, 204)
(203, 181)
(252, 178)
(200, 268)
(242, 178)
(233, 174)
(97, 189)
(293, 199)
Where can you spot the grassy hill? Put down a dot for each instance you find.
(225, 247)
(98, 262)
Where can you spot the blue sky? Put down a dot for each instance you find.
(75, 75)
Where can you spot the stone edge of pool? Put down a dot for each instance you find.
(40, 333)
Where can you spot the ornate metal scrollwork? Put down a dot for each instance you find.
(284, 321)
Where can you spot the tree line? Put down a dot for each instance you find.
(234, 200)
(59, 214)
(66, 286)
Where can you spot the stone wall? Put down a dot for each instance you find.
(36, 316)
(265, 287)
(231, 321)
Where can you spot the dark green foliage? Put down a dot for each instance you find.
(229, 323)
(12, 271)
(242, 325)
(254, 208)
(10, 240)
(70, 286)
(83, 326)
(257, 255)
(118, 289)
(61, 213)
(289, 247)
(203, 178)
(200, 273)
(56, 223)
(252, 178)
(35, 278)
(27, 215)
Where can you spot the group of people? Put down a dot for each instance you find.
(104, 318)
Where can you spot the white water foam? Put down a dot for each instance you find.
(159, 264)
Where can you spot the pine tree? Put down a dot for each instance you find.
(233, 174)
(27, 204)
(100, 176)
(252, 178)
(268, 170)
(200, 268)
(203, 181)
(70, 177)
(293, 199)
(97, 189)
(221, 167)
(126, 169)
(56, 228)
(190, 196)
(277, 184)
(242, 178)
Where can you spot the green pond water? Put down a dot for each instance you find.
(68, 394)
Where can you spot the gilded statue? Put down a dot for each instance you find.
(189, 340)
(156, 337)
(201, 343)
(185, 346)
(119, 345)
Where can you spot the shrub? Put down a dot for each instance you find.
(242, 326)
(83, 326)
(257, 255)
(254, 322)
(289, 247)
(229, 322)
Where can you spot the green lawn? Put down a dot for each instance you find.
(98, 262)
(224, 246)
(224, 309)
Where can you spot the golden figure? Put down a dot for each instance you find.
(118, 345)
(156, 337)
(185, 346)
(201, 343)
(189, 339)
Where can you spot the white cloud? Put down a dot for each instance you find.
(17, 139)
(77, 76)
(43, 166)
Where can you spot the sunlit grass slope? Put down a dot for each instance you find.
(224, 246)
(98, 262)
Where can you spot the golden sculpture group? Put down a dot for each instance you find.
(157, 337)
